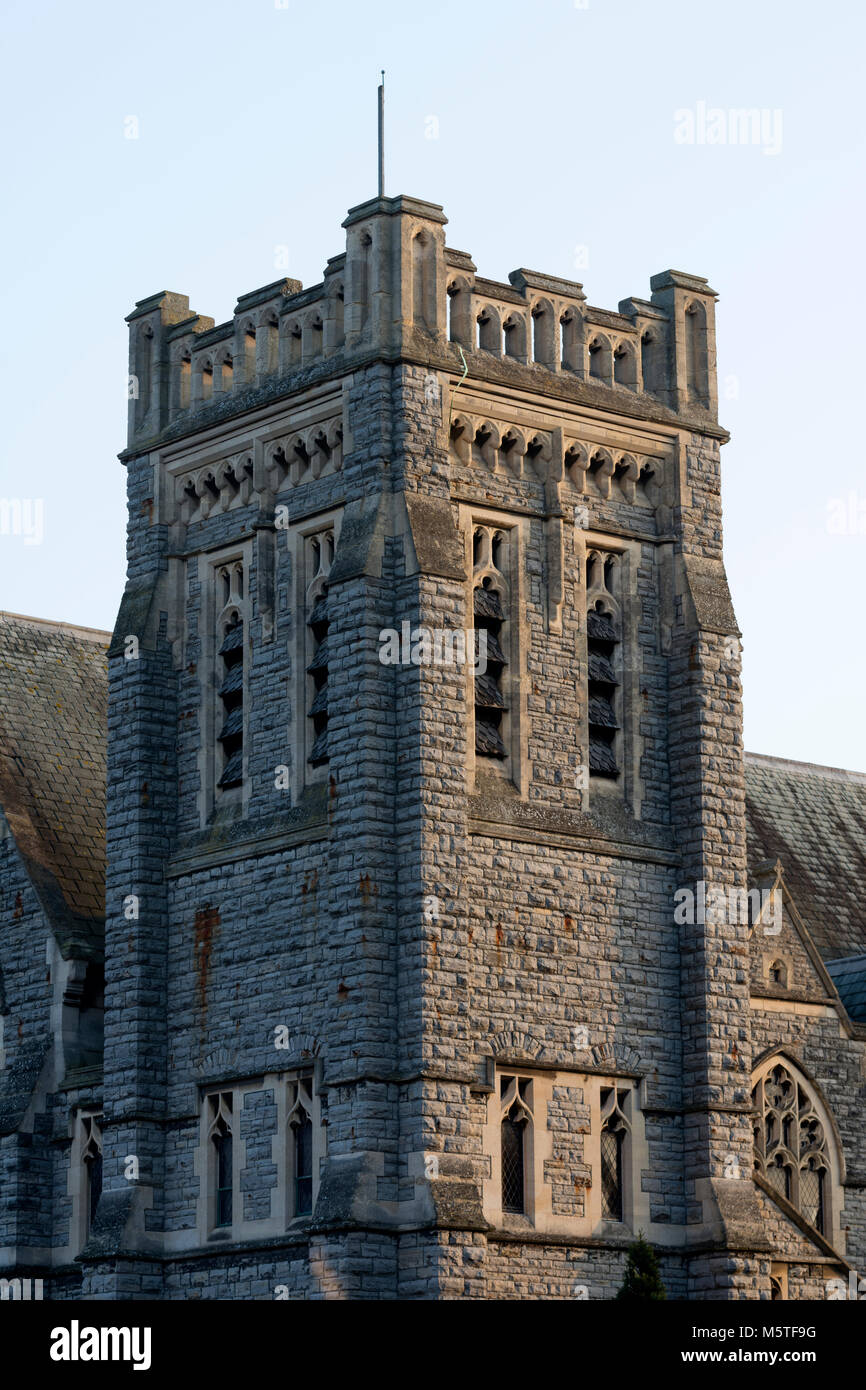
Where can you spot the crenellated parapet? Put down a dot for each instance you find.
(399, 293)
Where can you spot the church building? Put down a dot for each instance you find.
(388, 908)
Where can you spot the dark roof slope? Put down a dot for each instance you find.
(53, 719)
(814, 820)
(849, 977)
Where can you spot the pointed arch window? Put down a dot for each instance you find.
(221, 1137)
(490, 607)
(319, 559)
(602, 643)
(614, 1133)
(791, 1144)
(300, 1121)
(92, 1156)
(515, 1128)
(230, 653)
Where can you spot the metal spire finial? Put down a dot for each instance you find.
(382, 136)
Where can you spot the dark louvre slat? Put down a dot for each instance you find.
(601, 670)
(234, 724)
(495, 654)
(601, 712)
(486, 694)
(599, 627)
(233, 640)
(601, 760)
(487, 605)
(320, 660)
(319, 613)
(488, 740)
(233, 772)
(320, 704)
(319, 753)
(234, 680)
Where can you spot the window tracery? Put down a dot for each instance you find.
(791, 1144)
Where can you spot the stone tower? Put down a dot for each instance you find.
(396, 1003)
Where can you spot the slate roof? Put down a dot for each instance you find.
(849, 977)
(53, 720)
(814, 820)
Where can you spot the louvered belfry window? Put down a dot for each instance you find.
(319, 558)
(230, 657)
(602, 641)
(490, 599)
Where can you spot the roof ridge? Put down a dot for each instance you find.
(93, 634)
(820, 769)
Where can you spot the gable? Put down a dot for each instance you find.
(779, 938)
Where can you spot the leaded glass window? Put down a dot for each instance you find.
(222, 1139)
(614, 1132)
(300, 1120)
(516, 1119)
(790, 1144)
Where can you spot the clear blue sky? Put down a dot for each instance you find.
(556, 130)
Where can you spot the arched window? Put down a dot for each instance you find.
(319, 558)
(792, 1144)
(778, 973)
(603, 638)
(92, 1155)
(516, 1120)
(223, 1143)
(490, 610)
(304, 1167)
(300, 1120)
(222, 1140)
(614, 1132)
(230, 635)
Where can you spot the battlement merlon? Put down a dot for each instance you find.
(398, 291)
